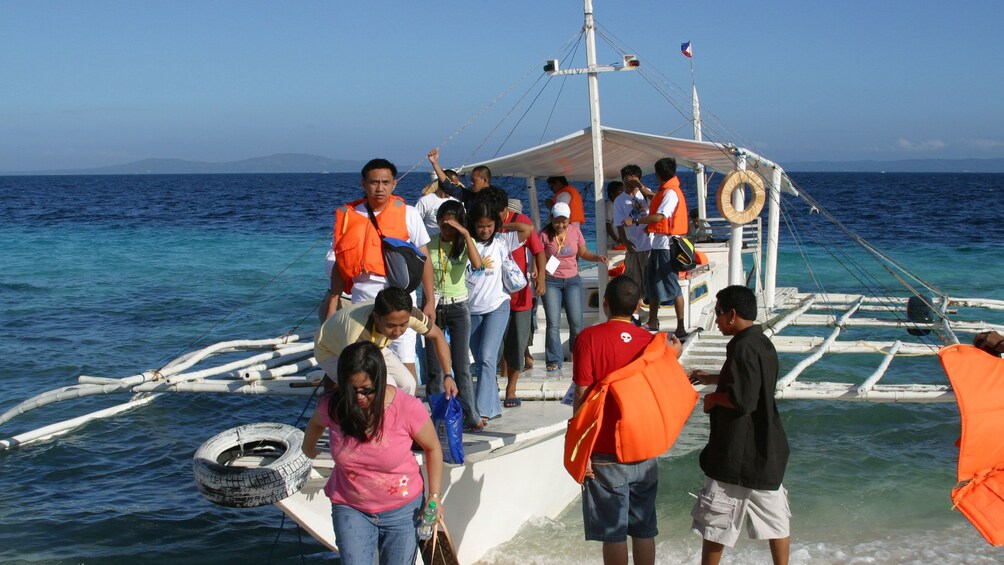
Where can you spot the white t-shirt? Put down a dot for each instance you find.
(427, 207)
(666, 208)
(484, 286)
(365, 286)
(632, 206)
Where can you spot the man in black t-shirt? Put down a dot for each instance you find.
(747, 450)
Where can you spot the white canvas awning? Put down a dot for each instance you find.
(571, 156)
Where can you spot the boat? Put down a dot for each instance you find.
(516, 466)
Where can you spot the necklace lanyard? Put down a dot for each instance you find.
(560, 241)
(443, 265)
(373, 335)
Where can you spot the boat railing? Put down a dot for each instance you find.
(719, 230)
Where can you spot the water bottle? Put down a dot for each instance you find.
(428, 521)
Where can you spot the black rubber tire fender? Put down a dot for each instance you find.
(282, 471)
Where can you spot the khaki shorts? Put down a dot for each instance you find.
(722, 509)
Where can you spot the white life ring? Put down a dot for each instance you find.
(729, 184)
(251, 465)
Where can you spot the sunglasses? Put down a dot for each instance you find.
(366, 391)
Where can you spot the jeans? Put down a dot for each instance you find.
(455, 318)
(567, 292)
(487, 331)
(360, 535)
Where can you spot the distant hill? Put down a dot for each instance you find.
(903, 166)
(278, 163)
(304, 163)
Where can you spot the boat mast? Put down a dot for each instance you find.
(702, 182)
(597, 142)
(629, 62)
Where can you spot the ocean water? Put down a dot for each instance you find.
(110, 276)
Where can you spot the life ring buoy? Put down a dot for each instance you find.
(251, 465)
(729, 184)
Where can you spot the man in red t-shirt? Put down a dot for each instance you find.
(618, 499)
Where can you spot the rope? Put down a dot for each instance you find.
(275, 542)
(561, 88)
(872, 286)
(282, 523)
(245, 304)
(477, 115)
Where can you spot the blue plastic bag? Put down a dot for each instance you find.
(448, 419)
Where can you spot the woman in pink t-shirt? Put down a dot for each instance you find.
(376, 487)
(564, 245)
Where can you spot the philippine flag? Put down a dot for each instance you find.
(685, 47)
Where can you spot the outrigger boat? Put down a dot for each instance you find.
(513, 472)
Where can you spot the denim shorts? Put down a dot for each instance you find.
(722, 509)
(620, 500)
(663, 282)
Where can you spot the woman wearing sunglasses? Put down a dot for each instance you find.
(376, 487)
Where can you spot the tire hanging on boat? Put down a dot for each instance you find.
(251, 465)
(729, 184)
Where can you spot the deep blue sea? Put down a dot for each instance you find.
(114, 275)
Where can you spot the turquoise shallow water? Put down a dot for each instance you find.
(110, 276)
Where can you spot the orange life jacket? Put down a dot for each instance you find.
(578, 212)
(678, 223)
(977, 378)
(357, 244)
(655, 398)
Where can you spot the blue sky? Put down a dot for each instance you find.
(96, 83)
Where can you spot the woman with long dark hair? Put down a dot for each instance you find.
(376, 487)
(451, 250)
(489, 301)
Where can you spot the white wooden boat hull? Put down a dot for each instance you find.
(512, 473)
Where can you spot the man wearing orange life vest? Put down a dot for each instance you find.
(358, 255)
(618, 498)
(667, 217)
(747, 451)
(566, 193)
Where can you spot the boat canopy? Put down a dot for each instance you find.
(572, 156)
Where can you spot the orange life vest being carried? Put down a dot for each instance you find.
(357, 245)
(578, 212)
(978, 381)
(678, 223)
(655, 398)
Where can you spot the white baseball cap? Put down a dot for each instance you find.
(561, 210)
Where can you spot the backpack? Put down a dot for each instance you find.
(403, 261)
(682, 254)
